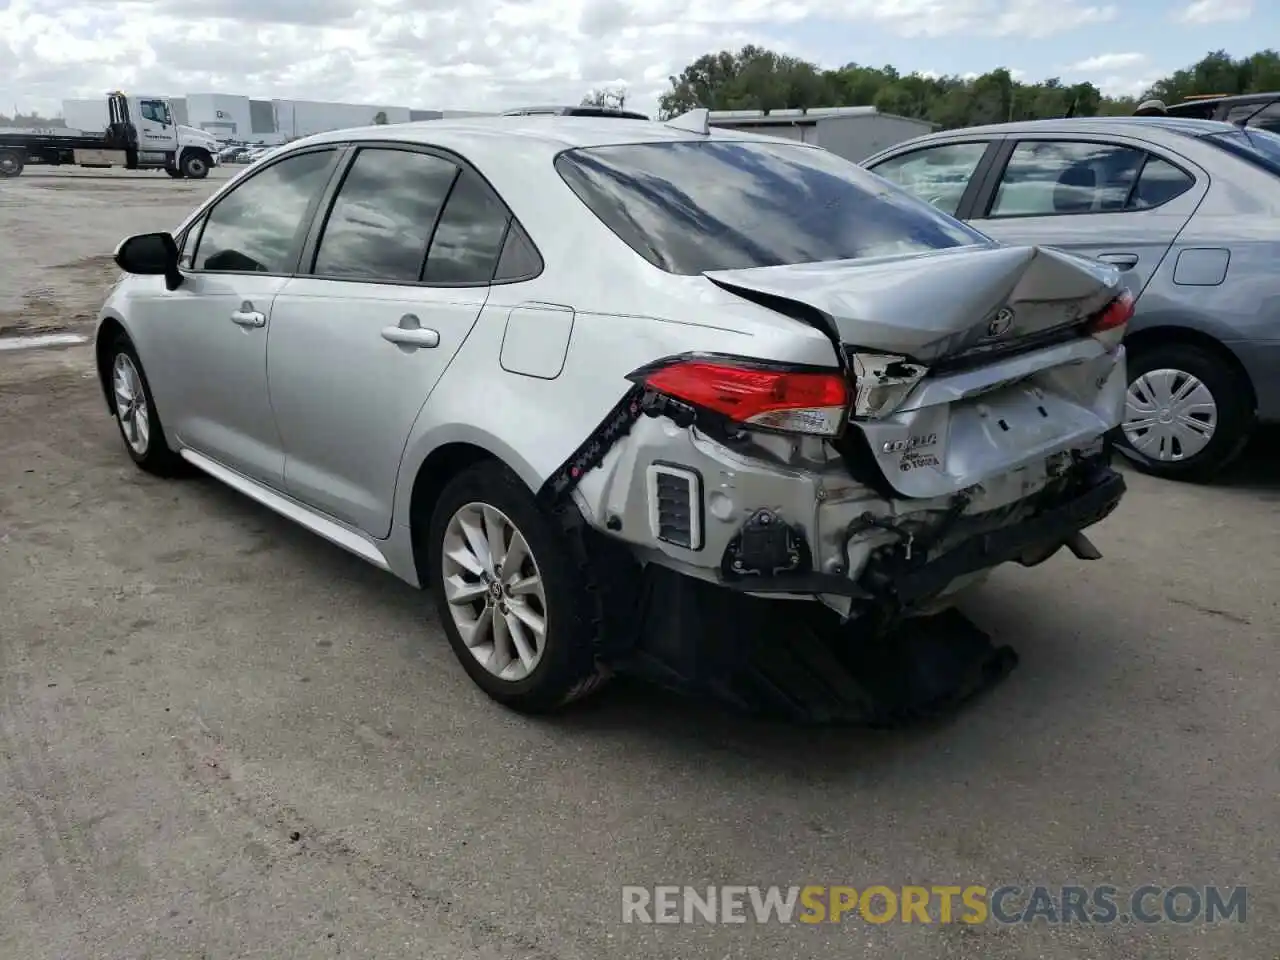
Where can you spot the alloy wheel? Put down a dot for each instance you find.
(131, 404)
(495, 591)
(1170, 415)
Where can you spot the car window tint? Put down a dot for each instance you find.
(519, 259)
(258, 226)
(381, 220)
(1046, 178)
(1159, 182)
(1257, 146)
(697, 205)
(938, 175)
(469, 236)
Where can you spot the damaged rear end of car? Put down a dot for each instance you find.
(960, 425)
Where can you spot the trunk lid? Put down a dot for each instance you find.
(965, 306)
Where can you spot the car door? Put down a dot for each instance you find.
(156, 131)
(1115, 200)
(943, 175)
(397, 274)
(209, 370)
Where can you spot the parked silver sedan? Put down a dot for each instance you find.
(552, 369)
(1189, 210)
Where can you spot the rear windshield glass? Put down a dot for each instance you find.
(694, 206)
(1259, 147)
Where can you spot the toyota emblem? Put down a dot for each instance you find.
(1000, 323)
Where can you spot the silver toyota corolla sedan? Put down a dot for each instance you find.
(1189, 210)
(549, 367)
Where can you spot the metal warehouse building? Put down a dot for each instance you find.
(232, 117)
(854, 133)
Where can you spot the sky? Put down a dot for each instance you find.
(499, 54)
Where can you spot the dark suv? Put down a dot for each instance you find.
(1246, 109)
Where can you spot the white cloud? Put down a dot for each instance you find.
(485, 54)
(1108, 61)
(1215, 11)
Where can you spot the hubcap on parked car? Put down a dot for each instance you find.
(131, 404)
(195, 167)
(495, 591)
(8, 164)
(1169, 415)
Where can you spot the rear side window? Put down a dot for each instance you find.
(259, 225)
(1045, 178)
(693, 206)
(519, 259)
(1158, 183)
(383, 215)
(468, 238)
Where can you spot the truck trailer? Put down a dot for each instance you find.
(140, 134)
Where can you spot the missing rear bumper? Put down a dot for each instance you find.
(901, 580)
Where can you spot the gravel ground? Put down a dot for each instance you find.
(60, 227)
(220, 737)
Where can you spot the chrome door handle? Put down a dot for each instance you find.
(249, 318)
(411, 334)
(1125, 261)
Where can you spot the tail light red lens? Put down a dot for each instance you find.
(1116, 314)
(757, 394)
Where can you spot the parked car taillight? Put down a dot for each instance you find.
(1116, 314)
(759, 394)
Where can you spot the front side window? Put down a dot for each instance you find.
(937, 175)
(693, 206)
(258, 227)
(156, 110)
(1049, 178)
(382, 218)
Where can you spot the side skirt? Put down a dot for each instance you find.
(335, 532)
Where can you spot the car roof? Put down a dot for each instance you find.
(1098, 125)
(526, 135)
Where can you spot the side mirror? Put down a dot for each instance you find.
(150, 255)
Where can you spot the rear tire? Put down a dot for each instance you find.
(12, 163)
(492, 611)
(1206, 408)
(135, 412)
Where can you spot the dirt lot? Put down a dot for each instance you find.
(220, 737)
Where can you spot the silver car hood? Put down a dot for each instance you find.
(933, 305)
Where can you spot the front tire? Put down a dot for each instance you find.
(519, 610)
(135, 412)
(174, 172)
(195, 165)
(1188, 412)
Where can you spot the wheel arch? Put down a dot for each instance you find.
(108, 329)
(435, 469)
(1162, 334)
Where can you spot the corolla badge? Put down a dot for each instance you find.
(1000, 323)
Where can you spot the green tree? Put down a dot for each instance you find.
(380, 118)
(759, 79)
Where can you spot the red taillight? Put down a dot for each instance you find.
(1116, 314)
(763, 395)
